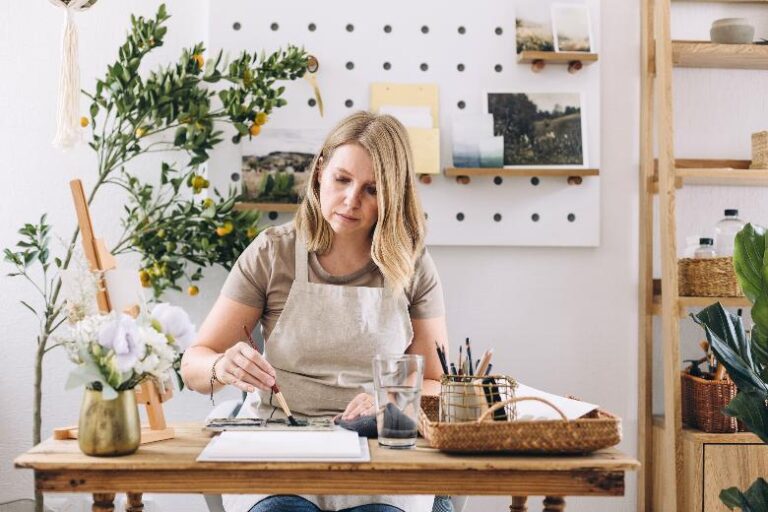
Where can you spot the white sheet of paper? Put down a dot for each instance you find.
(336, 445)
(411, 117)
(534, 410)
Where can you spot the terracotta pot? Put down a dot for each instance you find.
(109, 427)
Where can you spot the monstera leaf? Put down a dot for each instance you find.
(754, 500)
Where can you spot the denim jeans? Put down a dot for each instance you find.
(292, 503)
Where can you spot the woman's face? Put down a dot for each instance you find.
(348, 191)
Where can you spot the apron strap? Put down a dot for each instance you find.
(302, 257)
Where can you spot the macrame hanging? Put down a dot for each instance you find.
(67, 111)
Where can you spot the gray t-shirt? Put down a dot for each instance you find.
(264, 273)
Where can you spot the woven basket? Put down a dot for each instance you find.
(707, 277)
(703, 401)
(597, 430)
(759, 150)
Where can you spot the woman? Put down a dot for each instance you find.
(348, 279)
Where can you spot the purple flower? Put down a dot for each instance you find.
(121, 335)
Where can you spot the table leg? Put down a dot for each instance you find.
(554, 504)
(135, 503)
(519, 504)
(103, 502)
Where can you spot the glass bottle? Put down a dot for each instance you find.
(725, 232)
(706, 249)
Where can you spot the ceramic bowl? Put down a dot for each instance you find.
(732, 31)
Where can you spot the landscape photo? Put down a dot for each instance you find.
(275, 165)
(533, 27)
(570, 24)
(539, 129)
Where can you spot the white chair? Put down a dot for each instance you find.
(230, 408)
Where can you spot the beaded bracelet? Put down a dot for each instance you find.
(214, 377)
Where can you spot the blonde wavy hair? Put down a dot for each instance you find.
(398, 236)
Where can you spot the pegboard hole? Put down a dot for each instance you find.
(424, 29)
(236, 139)
(497, 217)
(460, 67)
(498, 68)
(535, 217)
(387, 66)
(236, 26)
(311, 102)
(311, 27)
(350, 27)
(426, 216)
(272, 215)
(235, 176)
(462, 30)
(498, 180)
(459, 216)
(424, 66)
(571, 217)
(461, 104)
(350, 65)
(534, 181)
(275, 27)
(387, 29)
(499, 31)
(349, 103)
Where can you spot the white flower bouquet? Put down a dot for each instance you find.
(115, 351)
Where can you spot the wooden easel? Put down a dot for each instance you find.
(101, 260)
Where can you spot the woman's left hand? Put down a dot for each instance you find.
(361, 405)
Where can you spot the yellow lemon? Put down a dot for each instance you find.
(251, 232)
(193, 290)
(145, 278)
(261, 118)
(198, 183)
(140, 132)
(199, 60)
(207, 203)
(84, 121)
(255, 129)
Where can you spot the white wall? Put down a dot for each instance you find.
(560, 319)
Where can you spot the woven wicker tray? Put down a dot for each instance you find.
(597, 430)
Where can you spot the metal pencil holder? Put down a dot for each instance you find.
(467, 397)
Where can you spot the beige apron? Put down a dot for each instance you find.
(321, 349)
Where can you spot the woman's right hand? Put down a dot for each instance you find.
(245, 368)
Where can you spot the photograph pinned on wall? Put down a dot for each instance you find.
(474, 144)
(275, 164)
(571, 27)
(533, 26)
(539, 129)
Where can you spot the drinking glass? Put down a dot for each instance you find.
(397, 384)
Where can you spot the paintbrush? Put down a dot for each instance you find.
(275, 389)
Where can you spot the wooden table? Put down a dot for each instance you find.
(170, 467)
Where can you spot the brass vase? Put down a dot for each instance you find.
(109, 427)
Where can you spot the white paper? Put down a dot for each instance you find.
(535, 410)
(411, 117)
(299, 446)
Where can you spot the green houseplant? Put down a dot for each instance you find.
(178, 109)
(745, 355)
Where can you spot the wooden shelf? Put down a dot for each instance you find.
(529, 57)
(703, 54)
(715, 172)
(267, 207)
(712, 438)
(701, 302)
(527, 171)
(724, 1)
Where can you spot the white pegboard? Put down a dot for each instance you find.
(516, 201)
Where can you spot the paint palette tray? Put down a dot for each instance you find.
(222, 424)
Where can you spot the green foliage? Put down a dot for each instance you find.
(754, 500)
(745, 357)
(277, 187)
